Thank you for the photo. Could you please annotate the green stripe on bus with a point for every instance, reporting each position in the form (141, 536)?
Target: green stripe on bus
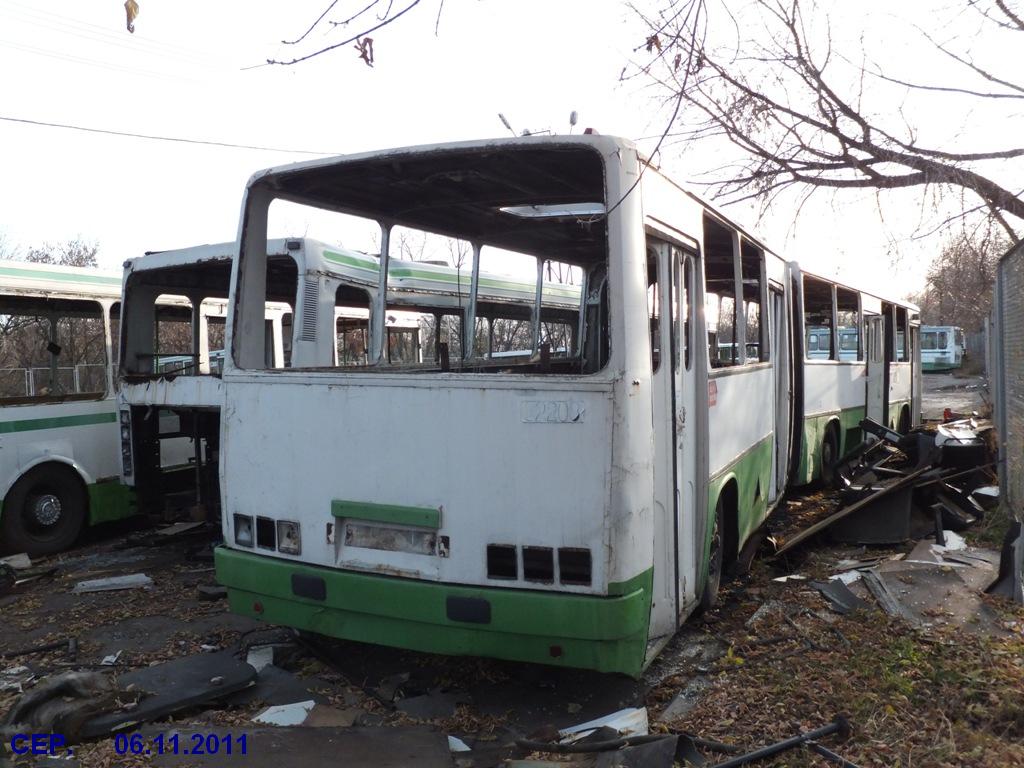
(604, 633)
(441, 277)
(368, 265)
(424, 517)
(56, 422)
(42, 274)
(485, 282)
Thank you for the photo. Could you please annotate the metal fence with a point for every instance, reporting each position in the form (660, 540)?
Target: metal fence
(41, 381)
(1007, 376)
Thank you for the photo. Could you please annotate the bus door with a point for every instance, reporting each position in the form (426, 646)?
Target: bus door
(779, 340)
(690, 420)
(671, 274)
(875, 386)
(661, 310)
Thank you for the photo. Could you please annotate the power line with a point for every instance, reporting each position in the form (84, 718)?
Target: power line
(95, 62)
(137, 41)
(175, 139)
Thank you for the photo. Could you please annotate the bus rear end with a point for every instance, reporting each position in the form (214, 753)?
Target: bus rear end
(489, 494)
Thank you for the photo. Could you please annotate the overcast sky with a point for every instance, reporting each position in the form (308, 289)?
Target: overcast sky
(182, 74)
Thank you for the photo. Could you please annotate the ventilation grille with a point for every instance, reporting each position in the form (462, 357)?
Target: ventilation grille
(538, 564)
(310, 303)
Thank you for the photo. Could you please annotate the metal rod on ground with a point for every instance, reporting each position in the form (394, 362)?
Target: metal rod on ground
(71, 645)
(839, 725)
(828, 754)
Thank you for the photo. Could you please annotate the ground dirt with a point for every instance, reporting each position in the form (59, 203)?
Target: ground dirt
(933, 697)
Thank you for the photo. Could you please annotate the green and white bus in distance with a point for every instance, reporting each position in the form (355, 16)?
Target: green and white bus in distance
(571, 503)
(861, 358)
(942, 347)
(59, 454)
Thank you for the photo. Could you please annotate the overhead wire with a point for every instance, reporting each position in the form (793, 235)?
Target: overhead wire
(83, 28)
(60, 56)
(175, 139)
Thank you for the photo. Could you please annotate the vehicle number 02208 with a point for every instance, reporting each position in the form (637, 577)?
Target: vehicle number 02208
(550, 411)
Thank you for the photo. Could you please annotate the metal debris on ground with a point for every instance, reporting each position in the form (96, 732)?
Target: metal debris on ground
(19, 562)
(15, 678)
(172, 687)
(432, 705)
(286, 714)
(112, 583)
(839, 726)
(309, 714)
(900, 486)
(627, 722)
(839, 596)
(70, 644)
(455, 744)
(211, 592)
(260, 656)
(178, 528)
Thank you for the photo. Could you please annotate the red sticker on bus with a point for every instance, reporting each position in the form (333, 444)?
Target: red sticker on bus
(712, 393)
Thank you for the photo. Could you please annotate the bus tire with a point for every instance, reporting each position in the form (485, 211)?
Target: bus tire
(904, 426)
(716, 560)
(829, 454)
(44, 511)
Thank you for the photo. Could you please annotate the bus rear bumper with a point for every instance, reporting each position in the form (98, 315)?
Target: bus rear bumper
(607, 634)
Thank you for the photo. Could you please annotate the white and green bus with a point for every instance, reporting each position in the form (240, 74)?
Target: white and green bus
(571, 463)
(942, 347)
(59, 439)
(171, 392)
(861, 358)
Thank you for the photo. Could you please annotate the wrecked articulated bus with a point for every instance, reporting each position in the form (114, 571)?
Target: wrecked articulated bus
(557, 469)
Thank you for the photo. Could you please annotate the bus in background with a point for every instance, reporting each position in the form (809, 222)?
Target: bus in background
(170, 392)
(942, 347)
(818, 343)
(59, 437)
(170, 388)
(869, 366)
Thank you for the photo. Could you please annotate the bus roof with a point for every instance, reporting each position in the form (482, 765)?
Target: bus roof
(37, 278)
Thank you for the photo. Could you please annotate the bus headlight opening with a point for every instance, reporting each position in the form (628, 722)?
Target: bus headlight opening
(243, 530)
(289, 540)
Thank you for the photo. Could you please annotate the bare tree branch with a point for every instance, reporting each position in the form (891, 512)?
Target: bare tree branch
(353, 39)
(778, 100)
(311, 26)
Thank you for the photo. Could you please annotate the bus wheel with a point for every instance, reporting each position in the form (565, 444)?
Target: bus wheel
(829, 455)
(43, 512)
(716, 555)
(904, 425)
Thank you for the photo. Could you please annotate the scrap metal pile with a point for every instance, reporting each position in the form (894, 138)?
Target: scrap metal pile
(926, 486)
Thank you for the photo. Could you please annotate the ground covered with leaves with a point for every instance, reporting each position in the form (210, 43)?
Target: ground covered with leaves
(933, 697)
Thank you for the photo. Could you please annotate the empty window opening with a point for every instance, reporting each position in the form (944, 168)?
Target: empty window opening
(848, 324)
(494, 273)
(902, 336)
(720, 294)
(752, 275)
(501, 562)
(654, 309)
(539, 564)
(687, 309)
(818, 318)
(51, 349)
(574, 566)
